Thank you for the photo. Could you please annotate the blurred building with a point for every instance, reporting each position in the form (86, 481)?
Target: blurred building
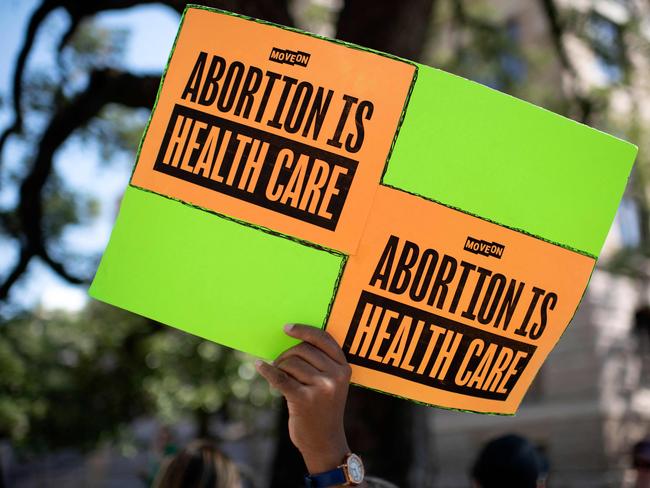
(591, 400)
(587, 407)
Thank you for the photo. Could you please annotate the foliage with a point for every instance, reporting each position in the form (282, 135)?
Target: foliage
(77, 379)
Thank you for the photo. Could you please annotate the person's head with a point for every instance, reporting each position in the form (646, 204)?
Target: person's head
(508, 462)
(200, 465)
(641, 462)
(641, 454)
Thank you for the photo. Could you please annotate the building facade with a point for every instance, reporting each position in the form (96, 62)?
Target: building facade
(591, 400)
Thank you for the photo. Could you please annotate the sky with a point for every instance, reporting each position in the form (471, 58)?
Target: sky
(152, 30)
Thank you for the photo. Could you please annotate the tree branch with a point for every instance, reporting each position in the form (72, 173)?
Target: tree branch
(465, 19)
(557, 33)
(105, 86)
(272, 10)
(20, 267)
(60, 269)
(77, 11)
(34, 23)
(556, 28)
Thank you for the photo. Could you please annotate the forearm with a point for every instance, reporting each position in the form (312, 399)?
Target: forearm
(314, 377)
(326, 459)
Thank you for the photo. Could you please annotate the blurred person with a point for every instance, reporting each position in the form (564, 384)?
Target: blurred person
(510, 461)
(641, 463)
(163, 447)
(200, 465)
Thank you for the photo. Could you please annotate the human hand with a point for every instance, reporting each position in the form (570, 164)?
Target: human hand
(314, 377)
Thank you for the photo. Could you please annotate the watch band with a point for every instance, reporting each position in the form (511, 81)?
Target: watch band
(335, 477)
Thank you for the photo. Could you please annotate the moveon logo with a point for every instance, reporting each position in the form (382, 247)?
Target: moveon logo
(285, 56)
(485, 248)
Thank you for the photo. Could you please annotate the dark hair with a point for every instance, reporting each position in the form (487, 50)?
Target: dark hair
(641, 454)
(508, 462)
(200, 465)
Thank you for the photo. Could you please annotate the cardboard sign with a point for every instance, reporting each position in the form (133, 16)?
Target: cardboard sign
(406, 299)
(442, 232)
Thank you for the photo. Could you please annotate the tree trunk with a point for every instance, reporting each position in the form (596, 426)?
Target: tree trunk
(398, 28)
(386, 431)
(383, 429)
(288, 469)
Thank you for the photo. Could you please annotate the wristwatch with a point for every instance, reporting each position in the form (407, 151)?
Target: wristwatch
(350, 473)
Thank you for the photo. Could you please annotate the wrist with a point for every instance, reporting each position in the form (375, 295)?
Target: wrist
(350, 472)
(321, 460)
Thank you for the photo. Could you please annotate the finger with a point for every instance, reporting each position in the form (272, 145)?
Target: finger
(278, 379)
(314, 356)
(318, 338)
(300, 369)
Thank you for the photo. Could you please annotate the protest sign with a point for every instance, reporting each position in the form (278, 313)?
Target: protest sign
(442, 232)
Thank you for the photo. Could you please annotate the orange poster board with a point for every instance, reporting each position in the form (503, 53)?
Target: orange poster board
(448, 309)
(284, 132)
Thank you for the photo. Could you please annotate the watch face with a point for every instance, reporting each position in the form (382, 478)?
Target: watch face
(355, 468)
